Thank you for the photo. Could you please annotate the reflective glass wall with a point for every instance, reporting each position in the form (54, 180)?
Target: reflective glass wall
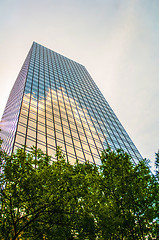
(62, 106)
(9, 121)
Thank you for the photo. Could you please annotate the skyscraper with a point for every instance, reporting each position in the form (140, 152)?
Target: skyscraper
(55, 102)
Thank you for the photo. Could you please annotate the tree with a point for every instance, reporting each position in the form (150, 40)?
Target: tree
(41, 199)
(130, 192)
(157, 165)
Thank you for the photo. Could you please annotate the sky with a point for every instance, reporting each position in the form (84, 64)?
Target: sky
(116, 40)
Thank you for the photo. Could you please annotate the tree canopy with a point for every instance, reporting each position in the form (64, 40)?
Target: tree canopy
(40, 199)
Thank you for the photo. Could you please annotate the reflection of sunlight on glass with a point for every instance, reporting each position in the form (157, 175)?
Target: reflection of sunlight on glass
(76, 137)
(76, 114)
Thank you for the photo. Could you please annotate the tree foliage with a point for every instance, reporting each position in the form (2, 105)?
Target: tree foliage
(41, 199)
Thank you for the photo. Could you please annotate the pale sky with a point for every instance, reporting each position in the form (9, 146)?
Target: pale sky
(116, 40)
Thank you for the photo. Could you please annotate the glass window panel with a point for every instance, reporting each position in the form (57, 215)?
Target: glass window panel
(32, 123)
(50, 125)
(49, 121)
(51, 152)
(23, 120)
(85, 146)
(71, 159)
(32, 114)
(68, 139)
(70, 149)
(41, 146)
(20, 139)
(66, 130)
(24, 111)
(41, 118)
(72, 126)
(65, 123)
(59, 135)
(61, 144)
(41, 107)
(58, 127)
(33, 102)
(94, 150)
(82, 137)
(56, 111)
(41, 137)
(75, 134)
(90, 140)
(63, 114)
(98, 144)
(77, 143)
(41, 127)
(51, 141)
(79, 153)
(30, 142)
(31, 132)
(88, 156)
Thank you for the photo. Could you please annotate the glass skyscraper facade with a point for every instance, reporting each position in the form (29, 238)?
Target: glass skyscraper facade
(55, 102)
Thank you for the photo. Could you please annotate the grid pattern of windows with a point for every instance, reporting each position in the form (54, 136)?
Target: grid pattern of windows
(62, 106)
(8, 124)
